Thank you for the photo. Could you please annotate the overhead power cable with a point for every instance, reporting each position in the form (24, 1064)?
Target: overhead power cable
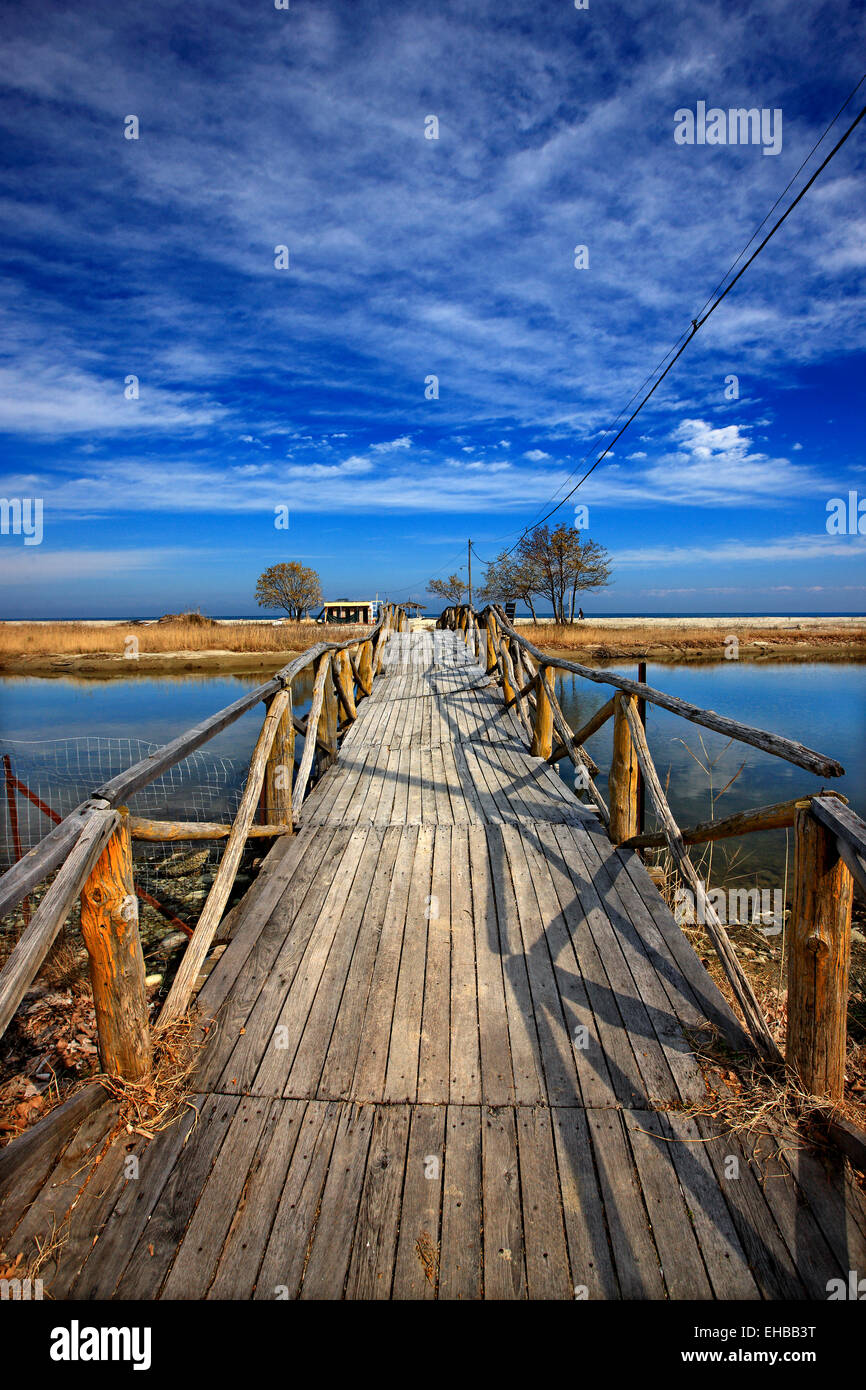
(714, 300)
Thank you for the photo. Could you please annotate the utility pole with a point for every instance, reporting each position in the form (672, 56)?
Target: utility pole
(469, 549)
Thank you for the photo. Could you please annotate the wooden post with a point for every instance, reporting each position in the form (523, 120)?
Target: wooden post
(491, 644)
(280, 769)
(641, 790)
(542, 733)
(622, 782)
(365, 667)
(819, 953)
(109, 925)
(381, 639)
(345, 682)
(508, 689)
(327, 726)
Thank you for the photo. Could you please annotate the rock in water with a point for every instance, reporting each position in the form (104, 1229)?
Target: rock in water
(181, 865)
(172, 942)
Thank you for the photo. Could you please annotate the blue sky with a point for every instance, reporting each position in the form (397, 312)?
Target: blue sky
(411, 257)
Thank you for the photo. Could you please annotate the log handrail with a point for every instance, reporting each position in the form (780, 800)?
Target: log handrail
(743, 991)
(845, 823)
(53, 848)
(779, 816)
(775, 744)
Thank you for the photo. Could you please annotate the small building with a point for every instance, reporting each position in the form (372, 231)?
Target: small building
(347, 610)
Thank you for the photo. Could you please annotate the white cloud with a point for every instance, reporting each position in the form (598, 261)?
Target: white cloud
(765, 551)
(404, 442)
(42, 565)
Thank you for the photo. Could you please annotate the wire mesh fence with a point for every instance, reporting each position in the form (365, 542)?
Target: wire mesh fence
(45, 779)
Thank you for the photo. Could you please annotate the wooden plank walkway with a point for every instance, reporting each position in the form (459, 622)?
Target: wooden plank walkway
(450, 1060)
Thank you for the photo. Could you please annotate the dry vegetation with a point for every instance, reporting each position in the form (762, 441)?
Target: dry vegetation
(684, 640)
(743, 1092)
(188, 632)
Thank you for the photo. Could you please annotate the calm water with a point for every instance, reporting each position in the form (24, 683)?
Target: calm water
(823, 706)
(820, 705)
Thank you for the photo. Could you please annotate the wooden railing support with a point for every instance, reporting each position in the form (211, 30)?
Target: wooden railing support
(209, 919)
(622, 780)
(819, 953)
(491, 644)
(780, 814)
(327, 728)
(542, 733)
(280, 770)
(109, 925)
(365, 667)
(737, 978)
(94, 831)
(345, 682)
(509, 681)
(591, 727)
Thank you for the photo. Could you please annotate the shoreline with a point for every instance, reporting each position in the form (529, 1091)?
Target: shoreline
(666, 648)
(115, 666)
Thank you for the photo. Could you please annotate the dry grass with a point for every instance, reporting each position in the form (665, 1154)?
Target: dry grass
(44, 1247)
(187, 634)
(152, 1104)
(749, 1096)
(683, 637)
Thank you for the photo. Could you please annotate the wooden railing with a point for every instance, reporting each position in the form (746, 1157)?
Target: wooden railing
(830, 840)
(92, 848)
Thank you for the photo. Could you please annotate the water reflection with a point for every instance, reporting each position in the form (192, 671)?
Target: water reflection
(823, 706)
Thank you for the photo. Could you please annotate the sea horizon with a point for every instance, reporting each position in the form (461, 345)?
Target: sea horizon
(433, 612)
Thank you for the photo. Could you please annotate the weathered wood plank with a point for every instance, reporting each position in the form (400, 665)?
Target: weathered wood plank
(374, 1032)
(547, 1271)
(155, 1249)
(635, 1256)
(251, 1222)
(194, 1264)
(417, 1260)
(434, 1050)
(371, 1269)
(288, 1245)
(504, 1259)
(684, 1272)
(331, 1250)
(401, 1078)
(136, 1200)
(592, 1268)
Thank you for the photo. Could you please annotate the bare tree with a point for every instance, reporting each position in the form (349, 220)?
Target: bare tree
(451, 589)
(508, 578)
(565, 565)
(291, 586)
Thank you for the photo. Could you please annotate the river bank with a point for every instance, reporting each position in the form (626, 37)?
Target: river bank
(218, 661)
(108, 650)
(678, 640)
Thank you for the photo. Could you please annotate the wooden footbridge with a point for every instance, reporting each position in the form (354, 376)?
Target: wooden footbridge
(448, 1043)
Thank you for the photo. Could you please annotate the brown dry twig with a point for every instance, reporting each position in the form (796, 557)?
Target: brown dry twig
(428, 1254)
(152, 1104)
(750, 1096)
